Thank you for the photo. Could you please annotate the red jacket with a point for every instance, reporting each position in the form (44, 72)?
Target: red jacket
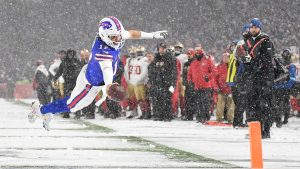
(201, 73)
(221, 75)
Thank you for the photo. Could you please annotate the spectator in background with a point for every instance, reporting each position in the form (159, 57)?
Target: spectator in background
(137, 78)
(295, 92)
(182, 58)
(260, 97)
(84, 56)
(239, 76)
(282, 88)
(69, 69)
(57, 89)
(162, 78)
(200, 77)
(3, 84)
(189, 89)
(224, 92)
(2, 77)
(150, 59)
(41, 83)
(128, 70)
(11, 83)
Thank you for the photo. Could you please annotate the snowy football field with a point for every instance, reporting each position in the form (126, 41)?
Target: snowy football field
(120, 143)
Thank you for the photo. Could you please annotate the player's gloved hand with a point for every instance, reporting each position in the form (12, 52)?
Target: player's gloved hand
(159, 34)
(171, 89)
(246, 59)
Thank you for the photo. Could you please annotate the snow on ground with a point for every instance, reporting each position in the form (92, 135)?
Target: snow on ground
(221, 143)
(78, 144)
(70, 144)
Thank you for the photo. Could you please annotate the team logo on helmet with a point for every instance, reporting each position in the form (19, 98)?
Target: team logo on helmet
(105, 25)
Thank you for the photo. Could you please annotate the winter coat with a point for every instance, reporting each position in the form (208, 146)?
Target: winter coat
(162, 71)
(69, 68)
(41, 79)
(262, 53)
(201, 73)
(232, 70)
(221, 74)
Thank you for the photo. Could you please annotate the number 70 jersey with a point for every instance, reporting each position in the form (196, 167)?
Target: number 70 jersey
(136, 70)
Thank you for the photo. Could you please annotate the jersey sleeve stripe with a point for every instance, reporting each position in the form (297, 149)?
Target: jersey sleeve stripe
(103, 55)
(103, 58)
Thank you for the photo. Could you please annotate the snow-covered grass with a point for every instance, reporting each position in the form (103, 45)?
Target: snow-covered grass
(182, 143)
(83, 144)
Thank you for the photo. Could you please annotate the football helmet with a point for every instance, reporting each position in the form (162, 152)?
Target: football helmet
(132, 50)
(140, 50)
(178, 47)
(111, 31)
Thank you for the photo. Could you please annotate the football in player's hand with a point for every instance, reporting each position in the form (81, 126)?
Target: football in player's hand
(116, 92)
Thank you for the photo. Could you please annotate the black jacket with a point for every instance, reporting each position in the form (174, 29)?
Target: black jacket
(162, 71)
(262, 58)
(69, 68)
(43, 81)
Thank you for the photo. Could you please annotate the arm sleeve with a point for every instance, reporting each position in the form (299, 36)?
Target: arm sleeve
(51, 69)
(108, 74)
(126, 35)
(268, 52)
(290, 83)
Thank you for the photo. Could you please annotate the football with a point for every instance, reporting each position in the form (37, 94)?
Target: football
(116, 92)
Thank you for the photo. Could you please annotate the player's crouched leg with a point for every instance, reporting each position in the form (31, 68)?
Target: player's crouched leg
(83, 94)
(82, 97)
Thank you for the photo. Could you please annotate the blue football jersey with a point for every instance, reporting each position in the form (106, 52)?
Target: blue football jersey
(100, 52)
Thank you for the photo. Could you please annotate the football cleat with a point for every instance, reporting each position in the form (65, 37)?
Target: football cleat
(35, 112)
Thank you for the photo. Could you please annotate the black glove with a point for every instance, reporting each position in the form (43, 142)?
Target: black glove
(206, 78)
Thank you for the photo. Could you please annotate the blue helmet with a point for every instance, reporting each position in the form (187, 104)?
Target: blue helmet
(256, 22)
(246, 28)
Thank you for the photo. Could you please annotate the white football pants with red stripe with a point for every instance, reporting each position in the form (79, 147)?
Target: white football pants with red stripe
(83, 94)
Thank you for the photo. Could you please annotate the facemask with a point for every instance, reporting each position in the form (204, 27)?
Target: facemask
(198, 56)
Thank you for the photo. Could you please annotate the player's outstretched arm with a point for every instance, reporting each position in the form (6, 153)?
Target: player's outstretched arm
(107, 70)
(135, 34)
